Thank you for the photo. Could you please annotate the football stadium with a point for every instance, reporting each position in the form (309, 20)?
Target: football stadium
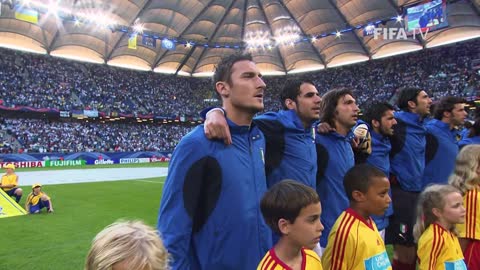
(242, 134)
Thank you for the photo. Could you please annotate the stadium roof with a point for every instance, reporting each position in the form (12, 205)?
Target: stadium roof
(204, 30)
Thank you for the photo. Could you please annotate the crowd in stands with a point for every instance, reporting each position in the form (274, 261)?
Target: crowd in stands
(47, 82)
(41, 81)
(5, 144)
(40, 135)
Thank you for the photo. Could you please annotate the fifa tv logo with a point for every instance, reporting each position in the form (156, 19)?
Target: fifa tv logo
(387, 33)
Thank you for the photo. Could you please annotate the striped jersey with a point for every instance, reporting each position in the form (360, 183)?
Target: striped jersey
(439, 249)
(310, 261)
(355, 244)
(471, 228)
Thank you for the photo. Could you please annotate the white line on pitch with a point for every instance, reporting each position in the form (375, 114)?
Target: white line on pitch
(156, 182)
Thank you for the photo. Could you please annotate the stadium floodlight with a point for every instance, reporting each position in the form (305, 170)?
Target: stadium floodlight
(313, 39)
(138, 27)
(188, 45)
(399, 18)
(338, 34)
(287, 35)
(257, 39)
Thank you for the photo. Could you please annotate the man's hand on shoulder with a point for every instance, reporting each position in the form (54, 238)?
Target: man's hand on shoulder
(216, 127)
(324, 128)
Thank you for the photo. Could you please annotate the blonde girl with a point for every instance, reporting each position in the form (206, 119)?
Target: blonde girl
(466, 178)
(440, 208)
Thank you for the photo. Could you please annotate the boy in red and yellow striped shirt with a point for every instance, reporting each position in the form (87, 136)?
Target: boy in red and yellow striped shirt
(354, 241)
(292, 210)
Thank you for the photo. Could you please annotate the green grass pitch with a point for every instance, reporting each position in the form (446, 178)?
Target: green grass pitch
(60, 241)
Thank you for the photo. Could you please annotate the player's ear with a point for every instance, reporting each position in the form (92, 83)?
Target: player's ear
(284, 226)
(222, 88)
(412, 104)
(447, 114)
(375, 123)
(290, 104)
(437, 212)
(358, 196)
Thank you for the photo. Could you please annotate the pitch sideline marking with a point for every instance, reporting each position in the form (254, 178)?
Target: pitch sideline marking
(155, 182)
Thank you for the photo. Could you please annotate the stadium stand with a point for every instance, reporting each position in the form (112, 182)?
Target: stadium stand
(42, 82)
(45, 82)
(41, 135)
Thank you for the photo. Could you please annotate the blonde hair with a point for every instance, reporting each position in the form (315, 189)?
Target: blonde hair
(432, 197)
(132, 242)
(465, 176)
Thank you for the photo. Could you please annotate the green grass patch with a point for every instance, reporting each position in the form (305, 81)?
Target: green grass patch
(61, 240)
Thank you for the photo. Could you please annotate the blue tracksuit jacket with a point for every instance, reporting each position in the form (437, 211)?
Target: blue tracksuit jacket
(210, 214)
(407, 158)
(290, 148)
(441, 152)
(467, 141)
(334, 158)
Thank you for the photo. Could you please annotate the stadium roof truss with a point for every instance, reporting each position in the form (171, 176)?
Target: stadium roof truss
(296, 34)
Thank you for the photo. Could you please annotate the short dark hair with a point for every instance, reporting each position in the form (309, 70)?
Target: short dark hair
(223, 70)
(285, 200)
(359, 178)
(291, 90)
(405, 95)
(376, 110)
(446, 104)
(328, 106)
